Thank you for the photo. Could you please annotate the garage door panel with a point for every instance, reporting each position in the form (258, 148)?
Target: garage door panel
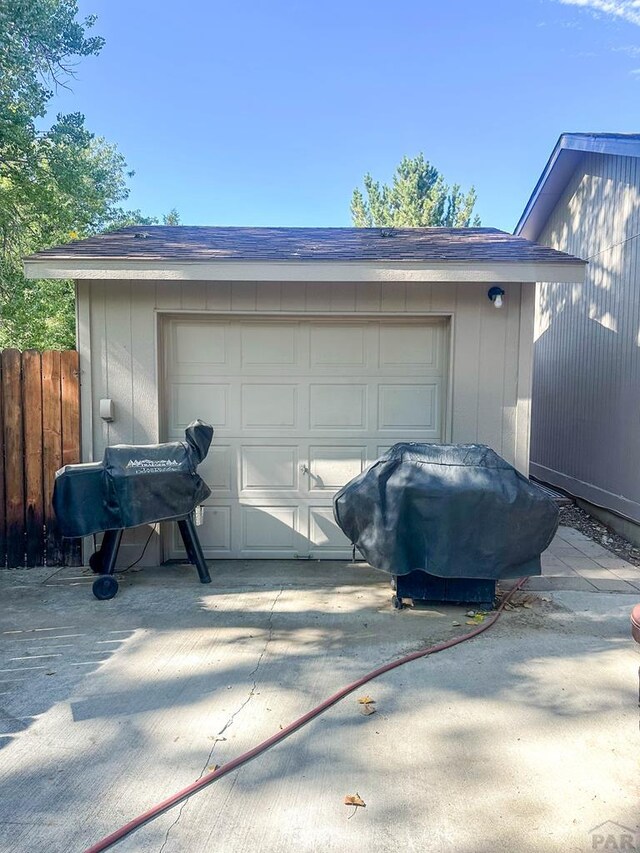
(269, 405)
(269, 345)
(269, 468)
(330, 467)
(333, 345)
(333, 406)
(324, 533)
(214, 532)
(207, 401)
(409, 346)
(216, 470)
(199, 347)
(408, 407)
(270, 528)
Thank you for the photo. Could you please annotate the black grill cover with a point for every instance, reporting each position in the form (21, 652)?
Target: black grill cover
(455, 511)
(134, 484)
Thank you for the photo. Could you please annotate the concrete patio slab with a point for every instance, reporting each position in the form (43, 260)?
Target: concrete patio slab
(521, 739)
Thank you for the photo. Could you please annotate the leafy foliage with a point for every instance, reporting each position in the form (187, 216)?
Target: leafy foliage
(55, 185)
(417, 196)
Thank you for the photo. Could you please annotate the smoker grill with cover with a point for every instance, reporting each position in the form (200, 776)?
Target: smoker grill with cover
(133, 485)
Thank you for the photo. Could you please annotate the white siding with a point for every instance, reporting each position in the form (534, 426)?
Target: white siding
(489, 382)
(586, 401)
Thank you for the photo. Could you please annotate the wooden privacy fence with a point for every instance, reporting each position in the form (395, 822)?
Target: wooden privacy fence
(39, 432)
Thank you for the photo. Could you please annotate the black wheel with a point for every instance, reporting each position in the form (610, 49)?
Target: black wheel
(104, 587)
(95, 562)
(397, 602)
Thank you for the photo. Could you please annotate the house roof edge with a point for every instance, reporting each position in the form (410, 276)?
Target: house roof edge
(567, 153)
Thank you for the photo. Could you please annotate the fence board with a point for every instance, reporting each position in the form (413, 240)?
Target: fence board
(51, 448)
(70, 393)
(14, 456)
(3, 529)
(33, 471)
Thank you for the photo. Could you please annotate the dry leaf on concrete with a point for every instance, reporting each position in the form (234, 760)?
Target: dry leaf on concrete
(367, 710)
(354, 800)
(365, 700)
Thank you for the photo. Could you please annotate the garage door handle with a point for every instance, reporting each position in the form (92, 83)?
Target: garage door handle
(304, 469)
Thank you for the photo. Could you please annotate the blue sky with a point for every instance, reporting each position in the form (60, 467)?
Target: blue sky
(269, 113)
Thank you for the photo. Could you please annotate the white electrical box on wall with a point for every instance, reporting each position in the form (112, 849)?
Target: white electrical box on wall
(106, 409)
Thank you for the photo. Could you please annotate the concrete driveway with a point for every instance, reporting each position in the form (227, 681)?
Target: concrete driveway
(524, 739)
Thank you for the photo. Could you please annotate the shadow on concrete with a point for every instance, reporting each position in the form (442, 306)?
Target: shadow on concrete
(143, 685)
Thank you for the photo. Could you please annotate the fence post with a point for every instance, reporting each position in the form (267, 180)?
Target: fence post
(70, 392)
(14, 456)
(33, 471)
(51, 448)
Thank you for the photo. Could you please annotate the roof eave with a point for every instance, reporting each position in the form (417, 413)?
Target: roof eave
(165, 270)
(565, 157)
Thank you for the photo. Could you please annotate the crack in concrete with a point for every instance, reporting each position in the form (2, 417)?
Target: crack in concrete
(218, 738)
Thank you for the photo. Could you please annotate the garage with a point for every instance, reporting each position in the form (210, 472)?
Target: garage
(310, 350)
(300, 406)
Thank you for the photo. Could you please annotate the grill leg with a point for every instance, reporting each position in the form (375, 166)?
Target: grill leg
(194, 550)
(109, 551)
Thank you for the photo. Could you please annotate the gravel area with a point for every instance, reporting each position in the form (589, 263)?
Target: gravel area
(573, 516)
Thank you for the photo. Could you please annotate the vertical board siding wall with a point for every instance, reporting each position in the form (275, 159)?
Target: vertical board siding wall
(119, 342)
(586, 403)
(39, 432)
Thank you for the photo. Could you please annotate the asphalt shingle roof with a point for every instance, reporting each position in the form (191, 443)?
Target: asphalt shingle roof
(206, 244)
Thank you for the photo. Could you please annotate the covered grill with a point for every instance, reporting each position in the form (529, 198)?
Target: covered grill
(133, 485)
(447, 521)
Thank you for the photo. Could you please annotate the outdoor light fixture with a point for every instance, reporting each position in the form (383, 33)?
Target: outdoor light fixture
(495, 294)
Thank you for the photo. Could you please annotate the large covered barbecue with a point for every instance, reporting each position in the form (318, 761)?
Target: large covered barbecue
(133, 485)
(447, 521)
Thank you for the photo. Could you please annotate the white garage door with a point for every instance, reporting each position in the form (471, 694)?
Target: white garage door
(299, 408)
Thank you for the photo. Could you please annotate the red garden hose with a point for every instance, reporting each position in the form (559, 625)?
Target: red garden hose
(161, 807)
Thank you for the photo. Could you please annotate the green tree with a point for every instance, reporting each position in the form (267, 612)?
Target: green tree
(417, 196)
(171, 218)
(57, 184)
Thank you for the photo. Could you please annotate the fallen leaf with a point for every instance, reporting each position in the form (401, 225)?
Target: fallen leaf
(354, 800)
(456, 624)
(367, 710)
(366, 700)
(212, 768)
